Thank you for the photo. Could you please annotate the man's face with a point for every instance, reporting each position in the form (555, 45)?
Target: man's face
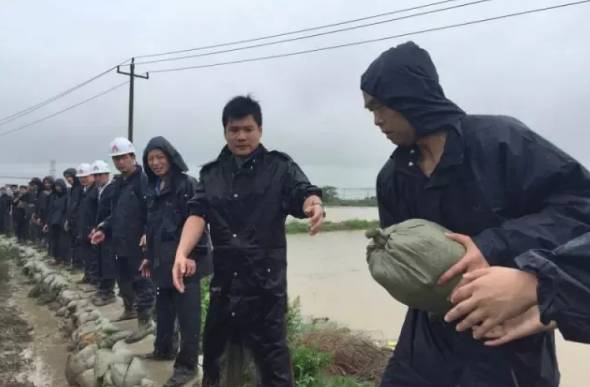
(47, 185)
(243, 135)
(101, 178)
(23, 190)
(87, 181)
(70, 180)
(124, 163)
(392, 123)
(158, 162)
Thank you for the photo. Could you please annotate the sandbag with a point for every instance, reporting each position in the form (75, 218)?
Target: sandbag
(408, 258)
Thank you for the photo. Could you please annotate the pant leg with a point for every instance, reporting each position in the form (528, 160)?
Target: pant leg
(188, 310)
(106, 287)
(266, 339)
(124, 280)
(165, 322)
(216, 339)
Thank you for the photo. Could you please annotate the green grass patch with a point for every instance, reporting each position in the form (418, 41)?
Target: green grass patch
(300, 227)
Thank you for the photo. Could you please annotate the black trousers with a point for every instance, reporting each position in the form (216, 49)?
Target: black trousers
(259, 326)
(58, 243)
(172, 306)
(134, 289)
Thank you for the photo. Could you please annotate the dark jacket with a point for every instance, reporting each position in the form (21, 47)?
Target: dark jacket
(497, 181)
(167, 212)
(246, 208)
(564, 286)
(44, 200)
(108, 264)
(20, 204)
(126, 223)
(87, 212)
(4, 204)
(74, 194)
(58, 205)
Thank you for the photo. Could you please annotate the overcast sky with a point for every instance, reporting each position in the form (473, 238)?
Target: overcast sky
(532, 67)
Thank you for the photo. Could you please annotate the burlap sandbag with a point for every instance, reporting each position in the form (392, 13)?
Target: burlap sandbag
(408, 258)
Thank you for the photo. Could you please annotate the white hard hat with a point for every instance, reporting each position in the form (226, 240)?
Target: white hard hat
(84, 170)
(121, 146)
(99, 167)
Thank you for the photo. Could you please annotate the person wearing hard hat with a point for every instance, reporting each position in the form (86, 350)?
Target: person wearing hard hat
(107, 266)
(86, 223)
(71, 224)
(127, 226)
(169, 190)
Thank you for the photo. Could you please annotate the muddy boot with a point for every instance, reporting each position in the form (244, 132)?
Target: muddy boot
(128, 314)
(180, 377)
(145, 326)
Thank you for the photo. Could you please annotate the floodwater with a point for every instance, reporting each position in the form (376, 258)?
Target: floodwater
(329, 273)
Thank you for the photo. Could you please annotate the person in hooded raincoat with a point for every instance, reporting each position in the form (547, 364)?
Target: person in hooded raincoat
(169, 190)
(33, 210)
(71, 225)
(553, 284)
(45, 197)
(4, 210)
(245, 196)
(20, 204)
(501, 186)
(55, 220)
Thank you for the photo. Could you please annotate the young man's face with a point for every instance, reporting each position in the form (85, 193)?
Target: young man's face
(47, 185)
(393, 124)
(70, 180)
(243, 135)
(124, 163)
(158, 162)
(101, 178)
(87, 181)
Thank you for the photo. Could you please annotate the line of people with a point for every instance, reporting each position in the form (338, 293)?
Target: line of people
(511, 197)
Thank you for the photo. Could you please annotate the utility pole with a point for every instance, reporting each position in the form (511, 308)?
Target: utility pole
(132, 77)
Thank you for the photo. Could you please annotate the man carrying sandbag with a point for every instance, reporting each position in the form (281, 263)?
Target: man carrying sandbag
(503, 187)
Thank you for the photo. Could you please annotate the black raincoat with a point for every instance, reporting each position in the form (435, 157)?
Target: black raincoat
(4, 210)
(58, 205)
(564, 286)
(44, 200)
(107, 263)
(127, 220)
(74, 195)
(498, 182)
(246, 207)
(86, 223)
(167, 212)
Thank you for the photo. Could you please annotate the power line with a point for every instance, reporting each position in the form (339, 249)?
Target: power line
(309, 29)
(33, 108)
(258, 45)
(65, 110)
(358, 43)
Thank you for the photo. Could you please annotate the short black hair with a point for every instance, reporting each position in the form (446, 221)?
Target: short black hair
(240, 107)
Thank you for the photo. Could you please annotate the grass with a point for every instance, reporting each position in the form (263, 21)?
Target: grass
(299, 227)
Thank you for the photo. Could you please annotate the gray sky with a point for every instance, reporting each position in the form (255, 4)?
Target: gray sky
(532, 67)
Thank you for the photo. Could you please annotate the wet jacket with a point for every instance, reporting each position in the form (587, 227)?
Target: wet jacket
(20, 204)
(106, 194)
(87, 212)
(74, 194)
(498, 182)
(4, 204)
(564, 286)
(126, 223)
(44, 200)
(58, 205)
(167, 212)
(246, 208)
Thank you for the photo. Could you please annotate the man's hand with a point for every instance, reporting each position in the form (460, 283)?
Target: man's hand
(492, 296)
(143, 241)
(528, 323)
(45, 229)
(97, 238)
(472, 260)
(145, 269)
(66, 226)
(183, 267)
(312, 207)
